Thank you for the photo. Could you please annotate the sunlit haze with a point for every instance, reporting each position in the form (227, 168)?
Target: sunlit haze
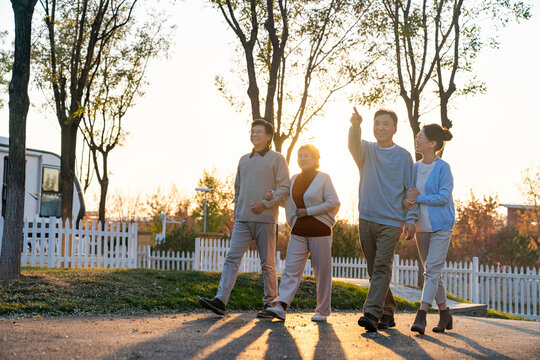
(183, 125)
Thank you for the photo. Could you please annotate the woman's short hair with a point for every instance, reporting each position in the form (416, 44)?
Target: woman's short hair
(314, 152)
(435, 132)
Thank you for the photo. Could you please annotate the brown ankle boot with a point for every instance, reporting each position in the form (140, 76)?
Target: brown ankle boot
(419, 322)
(445, 321)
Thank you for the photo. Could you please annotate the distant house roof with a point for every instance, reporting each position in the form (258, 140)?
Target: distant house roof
(513, 206)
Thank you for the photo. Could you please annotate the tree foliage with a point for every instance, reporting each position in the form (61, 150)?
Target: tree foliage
(312, 56)
(67, 58)
(219, 203)
(346, 240)
(6, 62)
(477, 223)
(432, 47)
(118, 82)
(530, 221)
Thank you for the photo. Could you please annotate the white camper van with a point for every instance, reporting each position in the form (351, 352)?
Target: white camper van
(43, 197)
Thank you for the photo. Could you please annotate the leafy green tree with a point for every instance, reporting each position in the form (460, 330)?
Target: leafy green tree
(346, 240)
(67, 56)
(219, 203)
(513, 248)
(530, 222)
(476, 228)
(6, 62)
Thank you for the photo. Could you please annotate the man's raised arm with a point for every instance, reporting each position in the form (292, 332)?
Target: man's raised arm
(355, 139)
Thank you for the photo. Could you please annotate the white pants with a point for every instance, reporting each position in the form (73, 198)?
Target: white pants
(432, 248)
(243, 235)
(298, 251)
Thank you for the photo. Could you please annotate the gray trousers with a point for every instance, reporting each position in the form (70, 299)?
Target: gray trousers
(298, 251)
(432, 248)
(244, 233)
(378, 244)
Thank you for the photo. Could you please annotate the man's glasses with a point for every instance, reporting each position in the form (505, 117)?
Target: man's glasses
(257, 132)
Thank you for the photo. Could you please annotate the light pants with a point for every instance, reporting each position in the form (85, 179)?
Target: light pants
(244, 233)
(432, 248)
(378, 244)
(298, 251)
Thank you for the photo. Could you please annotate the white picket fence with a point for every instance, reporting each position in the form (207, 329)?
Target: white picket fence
(511, 290)
(49, 243)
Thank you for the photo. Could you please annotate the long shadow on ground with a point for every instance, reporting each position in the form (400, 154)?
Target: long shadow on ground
(217, 338)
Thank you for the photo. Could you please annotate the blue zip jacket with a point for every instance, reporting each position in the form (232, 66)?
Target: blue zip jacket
(438, 197)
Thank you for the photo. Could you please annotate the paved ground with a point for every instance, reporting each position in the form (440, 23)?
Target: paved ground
(405, 292)
(242, 336)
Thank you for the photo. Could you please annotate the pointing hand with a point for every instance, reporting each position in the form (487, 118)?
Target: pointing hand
(356, 118)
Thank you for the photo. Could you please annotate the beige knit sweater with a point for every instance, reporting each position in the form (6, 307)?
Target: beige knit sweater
(255, 176)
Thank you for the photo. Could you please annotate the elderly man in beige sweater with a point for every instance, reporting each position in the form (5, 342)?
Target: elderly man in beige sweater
(255, 219)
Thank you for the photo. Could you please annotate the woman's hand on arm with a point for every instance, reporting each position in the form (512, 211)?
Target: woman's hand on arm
(301, 212)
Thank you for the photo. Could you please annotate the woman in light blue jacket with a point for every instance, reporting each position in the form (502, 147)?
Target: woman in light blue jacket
(433, 194)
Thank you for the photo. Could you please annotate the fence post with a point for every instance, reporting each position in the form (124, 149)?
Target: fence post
(1, 232)
(197, 254)
(134, 244)
(395, 272)
(474, 281)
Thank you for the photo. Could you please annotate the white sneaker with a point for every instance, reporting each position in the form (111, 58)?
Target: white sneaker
(318, 317)
(277, 312)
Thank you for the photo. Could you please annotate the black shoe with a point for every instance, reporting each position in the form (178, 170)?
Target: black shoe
(215, 305)
(387, 321)
(369, 322)
(263, 313)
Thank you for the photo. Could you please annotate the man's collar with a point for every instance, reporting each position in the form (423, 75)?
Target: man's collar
(262, 152)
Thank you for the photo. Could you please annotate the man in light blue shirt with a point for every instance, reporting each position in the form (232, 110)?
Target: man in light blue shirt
(386, 173)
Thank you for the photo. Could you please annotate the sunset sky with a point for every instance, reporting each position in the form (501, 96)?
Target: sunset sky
(183, 125)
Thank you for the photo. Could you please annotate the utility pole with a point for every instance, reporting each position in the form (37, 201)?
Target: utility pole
(206, 191)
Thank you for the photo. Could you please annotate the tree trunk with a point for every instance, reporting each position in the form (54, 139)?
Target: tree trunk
(10, 255)
(103, 198)
(253, 89)
(67, 166)
(104, 184)
(413, 116)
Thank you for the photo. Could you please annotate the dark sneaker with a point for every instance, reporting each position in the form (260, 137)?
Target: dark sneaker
(369, 322)
(215, 305)
(263, 313)
(387, 321)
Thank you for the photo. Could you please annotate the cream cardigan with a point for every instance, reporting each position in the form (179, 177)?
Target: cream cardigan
(320, 198)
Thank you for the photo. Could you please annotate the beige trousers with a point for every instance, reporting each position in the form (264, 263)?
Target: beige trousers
(244, 233)
(298, 251)
(432, 248)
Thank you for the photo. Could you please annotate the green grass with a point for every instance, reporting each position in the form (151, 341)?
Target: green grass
(60, 292)
(501, 315)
